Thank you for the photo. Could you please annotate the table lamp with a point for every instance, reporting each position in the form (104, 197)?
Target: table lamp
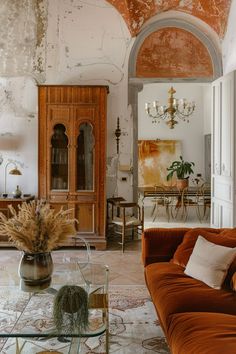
(15, 172)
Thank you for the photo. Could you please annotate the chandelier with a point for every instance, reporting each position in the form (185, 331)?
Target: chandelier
(177, 108)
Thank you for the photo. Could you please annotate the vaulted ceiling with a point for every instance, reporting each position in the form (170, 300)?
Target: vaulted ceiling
(137, 12)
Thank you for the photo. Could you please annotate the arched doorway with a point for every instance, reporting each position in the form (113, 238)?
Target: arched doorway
(140, 72)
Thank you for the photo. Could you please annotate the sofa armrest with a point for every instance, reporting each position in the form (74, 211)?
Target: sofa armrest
(159, 244)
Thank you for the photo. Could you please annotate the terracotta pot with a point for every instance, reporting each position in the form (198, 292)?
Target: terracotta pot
(36, 268)
(182, 183)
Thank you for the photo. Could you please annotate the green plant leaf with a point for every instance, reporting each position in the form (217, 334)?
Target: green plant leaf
(182, 169)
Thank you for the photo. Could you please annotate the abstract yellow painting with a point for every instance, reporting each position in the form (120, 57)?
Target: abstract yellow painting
(154, 156)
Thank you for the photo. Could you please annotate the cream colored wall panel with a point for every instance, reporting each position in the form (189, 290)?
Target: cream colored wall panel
(223, 151)
(226, 131)
(223, 190)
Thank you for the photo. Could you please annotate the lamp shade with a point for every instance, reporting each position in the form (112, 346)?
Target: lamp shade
(15, 172)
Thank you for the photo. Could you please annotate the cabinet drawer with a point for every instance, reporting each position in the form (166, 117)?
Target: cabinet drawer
(58, 198)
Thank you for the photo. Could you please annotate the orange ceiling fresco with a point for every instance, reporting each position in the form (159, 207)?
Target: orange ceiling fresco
(137, 12)
(173, 52)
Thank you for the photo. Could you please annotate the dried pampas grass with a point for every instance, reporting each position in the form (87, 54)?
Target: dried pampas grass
(37, 228)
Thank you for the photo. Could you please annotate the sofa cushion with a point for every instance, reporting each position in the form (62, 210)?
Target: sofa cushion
(205, 333)
(172, 291)
(185, 249)
(210, 262)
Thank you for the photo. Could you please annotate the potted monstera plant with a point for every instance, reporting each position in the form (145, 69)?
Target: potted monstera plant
(182, 169)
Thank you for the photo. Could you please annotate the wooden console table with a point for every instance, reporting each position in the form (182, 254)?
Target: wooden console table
(4, 202)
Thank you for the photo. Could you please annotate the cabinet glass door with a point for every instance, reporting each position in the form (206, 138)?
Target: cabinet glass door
(85, 158)
(59, 158)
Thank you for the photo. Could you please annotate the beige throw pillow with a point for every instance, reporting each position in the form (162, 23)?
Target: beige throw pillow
(209, 262)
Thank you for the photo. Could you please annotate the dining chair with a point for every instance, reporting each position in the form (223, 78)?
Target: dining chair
(204, 200)
(131, 218)
(113, 210)
(189, 202)
(96, 279)
(160, 200)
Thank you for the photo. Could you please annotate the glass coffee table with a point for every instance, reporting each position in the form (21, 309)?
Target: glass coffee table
(26, 314)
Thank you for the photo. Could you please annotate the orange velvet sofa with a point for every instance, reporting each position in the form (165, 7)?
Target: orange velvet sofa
(195, 318)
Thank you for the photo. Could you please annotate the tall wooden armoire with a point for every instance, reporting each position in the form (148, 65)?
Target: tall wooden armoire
(72, 155)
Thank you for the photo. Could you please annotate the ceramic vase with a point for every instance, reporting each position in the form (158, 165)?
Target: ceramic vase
(35, 269)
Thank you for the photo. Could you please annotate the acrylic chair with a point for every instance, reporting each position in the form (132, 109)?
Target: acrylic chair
(93, 278)
(131, 219)
(83, 251)
(96, 278)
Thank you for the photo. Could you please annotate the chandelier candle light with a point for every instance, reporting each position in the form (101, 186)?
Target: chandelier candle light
(177, 108)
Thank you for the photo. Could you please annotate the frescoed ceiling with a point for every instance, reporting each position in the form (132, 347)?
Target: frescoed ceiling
(137, 12)
(173, 52)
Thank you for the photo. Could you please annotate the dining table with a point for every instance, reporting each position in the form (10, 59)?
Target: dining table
(175, 199)
(152, 192)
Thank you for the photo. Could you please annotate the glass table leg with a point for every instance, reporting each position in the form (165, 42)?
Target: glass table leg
(75, 346)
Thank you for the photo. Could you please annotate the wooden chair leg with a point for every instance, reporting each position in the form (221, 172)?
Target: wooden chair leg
(132, 234)
(153, 209)
(198, 211)
(123, 239)
(168, 212)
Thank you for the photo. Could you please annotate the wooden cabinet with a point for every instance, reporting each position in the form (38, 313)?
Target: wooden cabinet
(72, 154)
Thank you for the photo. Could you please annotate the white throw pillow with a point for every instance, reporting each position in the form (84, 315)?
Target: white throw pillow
(209, 262)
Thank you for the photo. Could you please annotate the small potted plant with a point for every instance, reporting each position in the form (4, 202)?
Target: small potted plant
(183, 170)
(70, 309)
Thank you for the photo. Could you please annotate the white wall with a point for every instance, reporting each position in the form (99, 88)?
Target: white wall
(190, 134)
(229, 42)
(207, 109)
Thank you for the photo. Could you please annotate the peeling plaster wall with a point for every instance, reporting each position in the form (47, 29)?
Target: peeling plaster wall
(22, 65)
(18, 133)
(229, 43)
(71, 42)
(23, 24)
